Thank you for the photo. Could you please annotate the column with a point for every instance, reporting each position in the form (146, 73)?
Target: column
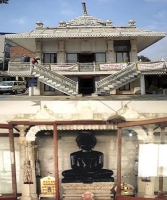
(28, 191)
(134, 50)
(36, 90)
(61, 52)
(142, 84)
(110, 54)
(149, 186)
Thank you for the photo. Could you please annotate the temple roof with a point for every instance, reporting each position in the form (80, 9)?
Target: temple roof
(86, 26)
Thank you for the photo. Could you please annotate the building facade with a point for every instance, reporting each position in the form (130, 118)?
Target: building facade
(88, 56)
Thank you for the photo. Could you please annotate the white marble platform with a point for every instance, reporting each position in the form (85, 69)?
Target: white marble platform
(100, 190)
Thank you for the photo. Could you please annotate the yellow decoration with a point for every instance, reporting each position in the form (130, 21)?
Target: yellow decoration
(47, 185)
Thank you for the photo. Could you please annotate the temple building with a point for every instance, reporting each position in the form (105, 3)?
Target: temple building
(37, 139)
(89, 56)
(95, 148)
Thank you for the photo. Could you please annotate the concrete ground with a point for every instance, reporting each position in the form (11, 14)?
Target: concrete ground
(26, 97)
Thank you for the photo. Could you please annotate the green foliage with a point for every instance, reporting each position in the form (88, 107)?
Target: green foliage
(143, 59)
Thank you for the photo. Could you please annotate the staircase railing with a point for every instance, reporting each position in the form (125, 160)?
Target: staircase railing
(114, 77)
(53, 75)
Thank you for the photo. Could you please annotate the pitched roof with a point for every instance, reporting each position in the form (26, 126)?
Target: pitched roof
(86, 26)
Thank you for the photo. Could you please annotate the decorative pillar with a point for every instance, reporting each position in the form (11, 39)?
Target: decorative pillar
(110, 54)
(61, 52)
(133, 50)
(28, 191)
(142, 84)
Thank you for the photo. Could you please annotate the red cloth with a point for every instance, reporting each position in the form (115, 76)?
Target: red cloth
(34, 61)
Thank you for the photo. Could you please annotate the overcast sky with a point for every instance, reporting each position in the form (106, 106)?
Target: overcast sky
(21, 15)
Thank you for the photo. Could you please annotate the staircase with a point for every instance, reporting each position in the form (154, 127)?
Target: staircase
(55, 80)
(117, 80)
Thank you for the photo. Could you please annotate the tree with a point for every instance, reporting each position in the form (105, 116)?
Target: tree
(143, 59)
(4, 1)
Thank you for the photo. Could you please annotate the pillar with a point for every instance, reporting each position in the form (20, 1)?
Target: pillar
(28, 191)
(133, 57)
(61, 52)
(38, 53)
(110, 54)
(142, 84)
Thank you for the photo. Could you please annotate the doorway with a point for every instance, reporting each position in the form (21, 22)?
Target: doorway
(86, 57)
(86, 86)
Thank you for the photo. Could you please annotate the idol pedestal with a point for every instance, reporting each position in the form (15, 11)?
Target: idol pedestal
(99, 190)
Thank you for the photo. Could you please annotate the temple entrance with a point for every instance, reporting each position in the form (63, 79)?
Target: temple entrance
(86, 86)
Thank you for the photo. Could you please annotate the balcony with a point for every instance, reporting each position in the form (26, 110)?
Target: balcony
(24, 68)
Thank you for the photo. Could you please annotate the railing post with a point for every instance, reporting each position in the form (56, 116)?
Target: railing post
(94, 65)
(79, 67)
(8, 66)
(77, 87)
(95, 86)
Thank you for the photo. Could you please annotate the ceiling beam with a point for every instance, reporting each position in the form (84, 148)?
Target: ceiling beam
(143, 122)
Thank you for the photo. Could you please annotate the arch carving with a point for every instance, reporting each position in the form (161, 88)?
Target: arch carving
(30, 136)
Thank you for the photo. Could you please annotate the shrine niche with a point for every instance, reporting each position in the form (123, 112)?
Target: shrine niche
(87, 164)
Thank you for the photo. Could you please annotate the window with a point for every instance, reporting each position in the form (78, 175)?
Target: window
(72, 58)
(50, 58)
(100, 57)
(122, 49)
(125, 87)
(48, 88)
(122, 57)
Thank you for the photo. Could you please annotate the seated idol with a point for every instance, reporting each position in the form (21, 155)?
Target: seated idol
(87, 164)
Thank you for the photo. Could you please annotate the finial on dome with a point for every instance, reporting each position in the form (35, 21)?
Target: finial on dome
(84, 8)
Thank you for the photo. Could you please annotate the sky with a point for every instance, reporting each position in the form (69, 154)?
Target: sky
(21, 16)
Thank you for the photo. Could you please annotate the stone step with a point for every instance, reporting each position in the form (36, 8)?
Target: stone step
(135, 74)
(106, 88)
(74, 93)
(110, 86)
(118, 82)
(62, 87)
(37, 75)
(49, 81)
(66, 89)
(53, 83)
(130, 76)
(122, 80)
(102, 90)
(33, 73)
(114, 84)
(41, 77)
(126, 78)
(57, 85)
(139, 72)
